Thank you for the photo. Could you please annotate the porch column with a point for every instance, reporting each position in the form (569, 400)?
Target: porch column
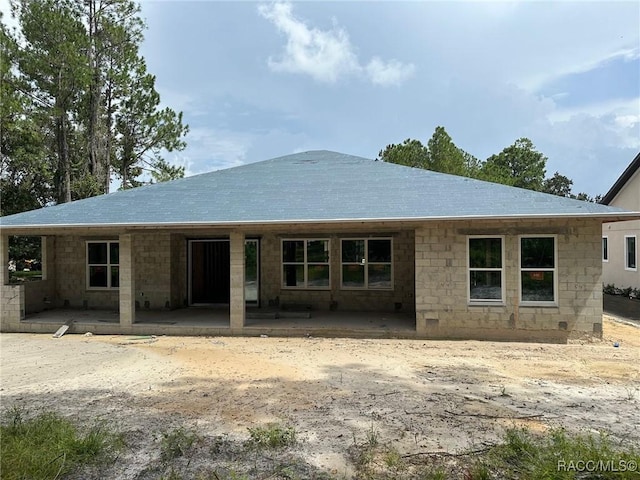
(48, 257)
(127, 282)
(236, 302)
(4, 259)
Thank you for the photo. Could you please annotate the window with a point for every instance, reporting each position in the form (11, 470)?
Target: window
(630, 253)
(605, 249)
(305, 263)
(538, 275)
(485, 269)
(103, 264)
(366, 263)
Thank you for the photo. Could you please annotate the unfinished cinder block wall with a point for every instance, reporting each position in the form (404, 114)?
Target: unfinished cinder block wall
(152, 266)
(401, 296)
(442, 308)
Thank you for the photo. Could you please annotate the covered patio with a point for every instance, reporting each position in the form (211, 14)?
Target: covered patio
(215, 321)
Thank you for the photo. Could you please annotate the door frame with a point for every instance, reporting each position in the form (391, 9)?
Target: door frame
(190, 268)
(190, 241)
(257, 242)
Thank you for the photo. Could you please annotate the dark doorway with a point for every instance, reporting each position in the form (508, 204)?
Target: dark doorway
(210, 271)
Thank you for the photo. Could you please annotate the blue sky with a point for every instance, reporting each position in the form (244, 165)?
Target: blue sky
(262, 79)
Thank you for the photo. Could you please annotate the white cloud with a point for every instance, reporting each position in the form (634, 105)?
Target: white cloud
(213, 149)
(389, 73)
(538, 80)
(627, 121)
(326, 55)
(623, 109)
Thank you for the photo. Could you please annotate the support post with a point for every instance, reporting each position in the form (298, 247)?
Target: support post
(236, 303)
(127, 282)
(4, 258)
(48, 244)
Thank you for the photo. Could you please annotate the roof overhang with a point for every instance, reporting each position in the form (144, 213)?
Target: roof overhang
(241, 225)
(633, 167)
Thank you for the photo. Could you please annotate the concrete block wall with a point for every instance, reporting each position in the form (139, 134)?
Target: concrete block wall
(71, 272)
(12, 307)
(152, 267)
(442, 309)
(402, 293)
(152, 261)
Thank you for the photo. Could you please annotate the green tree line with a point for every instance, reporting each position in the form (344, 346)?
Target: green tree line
(78, 107)
(518, 165)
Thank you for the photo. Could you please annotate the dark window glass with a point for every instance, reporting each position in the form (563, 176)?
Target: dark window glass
(380, 250)
(97, 253)
(293, 251)
(537, 252)
(318, 276)
(115, 277)
(537, 286)
(114, 253)
(631, 252)
(485, 252)
(605, 248)
(318, 251)
(353, 275)
(293, 275)
(98, 276)
(352, 251)
(379, 276)
(485, 285)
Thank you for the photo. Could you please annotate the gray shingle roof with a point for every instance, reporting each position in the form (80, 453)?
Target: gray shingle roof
(309, 186)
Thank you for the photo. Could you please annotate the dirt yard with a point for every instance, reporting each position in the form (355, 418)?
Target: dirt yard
(418, 395)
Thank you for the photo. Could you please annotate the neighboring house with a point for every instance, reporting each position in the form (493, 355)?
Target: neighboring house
(333, 233)
(620, 240)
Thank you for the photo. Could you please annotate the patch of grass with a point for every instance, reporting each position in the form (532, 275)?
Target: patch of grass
(438, 474)
(558, 455)
(373, 437)
(632, 392)
(176, 443)
(49, 446)
(272, 436)
(478, 471)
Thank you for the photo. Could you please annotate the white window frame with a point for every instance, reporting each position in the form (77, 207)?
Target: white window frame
(479, 301)
(605, 248)
(626, 253)
(532, 303)
(108, 264)
(366, 263)
(305, 263)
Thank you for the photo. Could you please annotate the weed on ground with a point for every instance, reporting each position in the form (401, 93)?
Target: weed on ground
(48, 446)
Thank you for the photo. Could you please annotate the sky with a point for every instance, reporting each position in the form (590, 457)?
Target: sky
(257, 80)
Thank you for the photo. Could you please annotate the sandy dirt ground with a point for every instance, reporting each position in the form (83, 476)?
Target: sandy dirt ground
(418, 395)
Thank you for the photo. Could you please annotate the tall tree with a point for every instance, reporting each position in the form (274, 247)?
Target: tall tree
(53, 62)
(114, 31)
(444, 156)
(98, 109)
(558, 185)
(520, 165)
(144, 131)
(410, 153)
(440, 155)
(25, 176)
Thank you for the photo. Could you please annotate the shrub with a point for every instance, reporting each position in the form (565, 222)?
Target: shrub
(49, 446)
(272, 436)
